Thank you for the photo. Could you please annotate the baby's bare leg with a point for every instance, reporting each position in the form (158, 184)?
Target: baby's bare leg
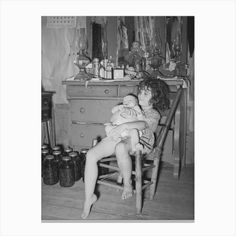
(103, 149)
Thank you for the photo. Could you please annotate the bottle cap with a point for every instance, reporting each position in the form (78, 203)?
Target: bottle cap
(56, 148)
(44, 146)
(66, 158)
(84, 150)
(56, 153)
(73, 154)
(49, 157)
(45, 151)
(68, 149)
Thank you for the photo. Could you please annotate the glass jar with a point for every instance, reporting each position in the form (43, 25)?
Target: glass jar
(50, 170)
(57, 155)
(45, 152)
(77, 165)
(66, 172)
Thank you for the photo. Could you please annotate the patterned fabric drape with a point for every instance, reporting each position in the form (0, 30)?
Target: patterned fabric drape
(122, 39)
(144, 31)
(122, 34)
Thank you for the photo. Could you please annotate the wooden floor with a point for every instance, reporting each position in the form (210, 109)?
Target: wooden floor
(174, 200)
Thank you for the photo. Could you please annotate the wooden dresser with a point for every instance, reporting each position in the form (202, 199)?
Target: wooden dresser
(91, 104)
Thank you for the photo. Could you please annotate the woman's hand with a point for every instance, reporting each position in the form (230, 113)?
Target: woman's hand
(140, 125)
(117, 130)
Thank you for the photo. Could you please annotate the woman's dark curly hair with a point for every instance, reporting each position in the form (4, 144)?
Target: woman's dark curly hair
(160, 93)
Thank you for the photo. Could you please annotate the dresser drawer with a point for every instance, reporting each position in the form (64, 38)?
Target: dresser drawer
(92, 110)
(125, 90)
(91, 91)
(82, 135)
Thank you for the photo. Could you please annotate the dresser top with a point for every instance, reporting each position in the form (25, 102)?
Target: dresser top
(169, 81)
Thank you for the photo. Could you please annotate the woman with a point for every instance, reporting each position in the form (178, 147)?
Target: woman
(153, 97)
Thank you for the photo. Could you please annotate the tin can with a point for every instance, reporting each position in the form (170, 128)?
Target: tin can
(77, 165)
(50, 170)
(66, 172)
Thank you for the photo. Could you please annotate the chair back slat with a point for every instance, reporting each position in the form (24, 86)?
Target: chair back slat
(165, 128)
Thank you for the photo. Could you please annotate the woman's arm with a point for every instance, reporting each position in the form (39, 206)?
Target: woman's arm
(140, 125)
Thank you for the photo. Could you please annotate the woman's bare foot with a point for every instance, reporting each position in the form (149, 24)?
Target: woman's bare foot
(87, 206)
(127, 192)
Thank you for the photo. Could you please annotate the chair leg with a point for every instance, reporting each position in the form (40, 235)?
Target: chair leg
(138, 182)
(176, 153)
(155, 170)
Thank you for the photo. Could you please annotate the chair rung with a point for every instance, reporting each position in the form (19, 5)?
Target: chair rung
(107, 175)
(107, 183)
(108, 159)
(147, 184)
(109, 166)
(114, 185)
(148, 167)
(117, 168)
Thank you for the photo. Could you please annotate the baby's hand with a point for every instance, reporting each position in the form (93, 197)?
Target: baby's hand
(108, 128)
(116, 108)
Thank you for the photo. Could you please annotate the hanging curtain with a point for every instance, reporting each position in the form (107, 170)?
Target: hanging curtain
(122, 39)
(144, 31)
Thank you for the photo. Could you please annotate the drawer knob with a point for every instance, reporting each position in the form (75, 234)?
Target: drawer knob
(82, 110)
(81, 135)
(106, 91)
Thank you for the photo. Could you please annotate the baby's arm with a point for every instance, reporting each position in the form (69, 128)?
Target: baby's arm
(116, 108)
(108, 128)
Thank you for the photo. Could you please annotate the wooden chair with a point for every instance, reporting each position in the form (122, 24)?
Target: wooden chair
(148, 162)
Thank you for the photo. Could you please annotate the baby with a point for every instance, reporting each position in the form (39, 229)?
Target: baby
(129, 111)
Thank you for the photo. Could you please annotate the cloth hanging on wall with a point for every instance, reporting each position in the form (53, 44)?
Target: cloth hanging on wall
(122, 40)
(58, 49)
(122, 34)
(144, 28)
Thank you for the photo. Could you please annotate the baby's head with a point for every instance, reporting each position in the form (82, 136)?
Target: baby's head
(130, 101)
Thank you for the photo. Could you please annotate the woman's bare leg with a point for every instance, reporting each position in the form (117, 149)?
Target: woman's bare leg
(124, 162)
(103, 149)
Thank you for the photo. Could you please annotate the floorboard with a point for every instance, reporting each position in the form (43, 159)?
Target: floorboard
(174, 200)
